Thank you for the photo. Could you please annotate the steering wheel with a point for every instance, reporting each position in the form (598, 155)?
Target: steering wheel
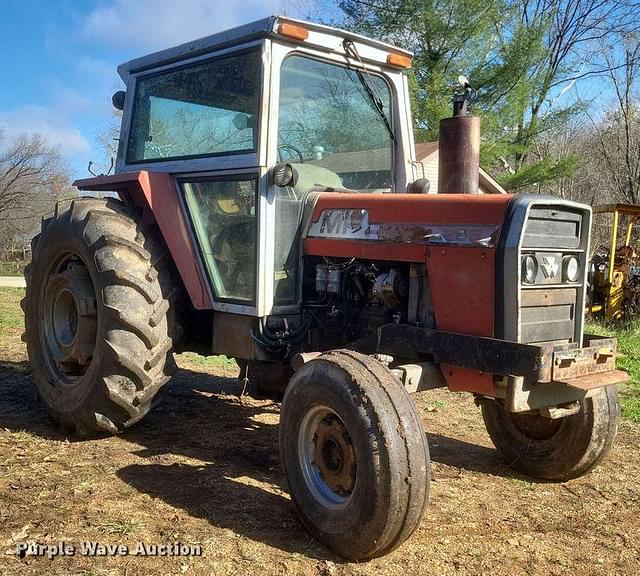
(293, 149)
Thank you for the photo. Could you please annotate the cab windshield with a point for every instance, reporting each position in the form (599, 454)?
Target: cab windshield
(330, 128)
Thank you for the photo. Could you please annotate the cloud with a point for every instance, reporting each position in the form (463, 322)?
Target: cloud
(48, 122)
(157, 24)
(98, 69)
(68, 101)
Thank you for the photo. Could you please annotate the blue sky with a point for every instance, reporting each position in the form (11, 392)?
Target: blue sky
(58, 59)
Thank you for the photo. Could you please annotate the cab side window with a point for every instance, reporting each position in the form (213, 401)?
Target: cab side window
(223, 213)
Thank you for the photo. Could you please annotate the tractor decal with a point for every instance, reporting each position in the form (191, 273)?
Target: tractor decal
(354, 224)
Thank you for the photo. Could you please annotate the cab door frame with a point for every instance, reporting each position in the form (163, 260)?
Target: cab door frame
(263, 247)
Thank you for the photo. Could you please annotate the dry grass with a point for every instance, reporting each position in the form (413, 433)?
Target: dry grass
(11, 317)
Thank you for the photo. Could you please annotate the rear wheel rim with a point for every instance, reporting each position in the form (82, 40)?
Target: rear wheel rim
(536, 427)
(327, 458)
(69, 319)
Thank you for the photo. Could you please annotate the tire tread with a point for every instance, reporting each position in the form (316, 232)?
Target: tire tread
(136, 286)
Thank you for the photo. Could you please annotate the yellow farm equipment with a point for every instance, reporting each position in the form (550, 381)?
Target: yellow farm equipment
(614, 274)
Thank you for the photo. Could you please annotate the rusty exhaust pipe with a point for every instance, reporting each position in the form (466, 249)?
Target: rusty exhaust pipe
(459, 148)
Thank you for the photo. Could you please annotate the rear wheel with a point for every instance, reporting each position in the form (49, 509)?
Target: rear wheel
(354, 454)
(555, 449)
(99, 316)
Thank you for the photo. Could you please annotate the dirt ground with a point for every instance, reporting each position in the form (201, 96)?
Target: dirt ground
(203, 469)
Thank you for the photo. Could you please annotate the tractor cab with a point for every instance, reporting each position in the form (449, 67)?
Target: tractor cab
(328, 107)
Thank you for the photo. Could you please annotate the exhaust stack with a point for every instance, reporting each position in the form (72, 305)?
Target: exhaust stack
(459, 147)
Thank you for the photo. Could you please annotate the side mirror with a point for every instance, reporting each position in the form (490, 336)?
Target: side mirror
(284, 174)
(118, 99)
(420, 186)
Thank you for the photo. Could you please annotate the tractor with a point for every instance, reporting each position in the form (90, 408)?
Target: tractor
(613, 290)
(270, 208)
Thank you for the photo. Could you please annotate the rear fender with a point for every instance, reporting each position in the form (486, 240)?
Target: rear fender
(156, 194)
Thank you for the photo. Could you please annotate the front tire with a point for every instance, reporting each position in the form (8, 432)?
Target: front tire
(354, 454)
(555, 449)
(99, 316)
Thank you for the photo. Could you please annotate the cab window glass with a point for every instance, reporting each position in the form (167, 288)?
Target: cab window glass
(329, 125)
(223, 213)
(198, 110)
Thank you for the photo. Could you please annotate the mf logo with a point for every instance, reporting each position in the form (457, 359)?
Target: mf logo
(550, 266)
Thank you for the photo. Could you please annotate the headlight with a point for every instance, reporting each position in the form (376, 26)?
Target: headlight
(571, 267)
(284, 174)
(529, 269)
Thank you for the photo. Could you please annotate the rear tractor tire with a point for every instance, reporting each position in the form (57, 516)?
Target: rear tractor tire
(559, 449)
(99, 316)
(354, 453)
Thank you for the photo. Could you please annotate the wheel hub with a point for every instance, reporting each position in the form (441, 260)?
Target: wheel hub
(334, 456)
(327, 457)
(70, 318)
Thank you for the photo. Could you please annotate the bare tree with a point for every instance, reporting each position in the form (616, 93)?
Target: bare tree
(107, 138)
(571, 33)
(32, 179)
(617, 135)
(313, 10)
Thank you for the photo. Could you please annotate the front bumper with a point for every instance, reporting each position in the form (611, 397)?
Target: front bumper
(527, 376)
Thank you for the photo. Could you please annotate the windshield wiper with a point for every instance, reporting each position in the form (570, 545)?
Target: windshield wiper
(376, 101)
(367, 84)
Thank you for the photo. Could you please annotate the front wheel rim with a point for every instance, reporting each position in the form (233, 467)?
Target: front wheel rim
(536, 427)
(327, 457)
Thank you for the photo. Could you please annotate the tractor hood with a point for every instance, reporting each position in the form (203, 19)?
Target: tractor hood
(394, 225)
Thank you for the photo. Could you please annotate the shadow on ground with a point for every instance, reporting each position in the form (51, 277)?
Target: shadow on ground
(237, 482)
(467, 456)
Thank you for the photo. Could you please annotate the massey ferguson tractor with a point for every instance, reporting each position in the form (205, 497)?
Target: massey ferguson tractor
(271, 209)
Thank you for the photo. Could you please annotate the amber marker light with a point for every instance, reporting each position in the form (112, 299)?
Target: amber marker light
(293, 31)
(399, 60)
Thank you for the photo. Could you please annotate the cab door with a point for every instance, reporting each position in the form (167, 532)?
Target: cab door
(224, 211)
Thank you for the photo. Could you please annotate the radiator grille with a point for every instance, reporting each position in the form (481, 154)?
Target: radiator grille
(549, 309)
(552, 228)
(548, 315)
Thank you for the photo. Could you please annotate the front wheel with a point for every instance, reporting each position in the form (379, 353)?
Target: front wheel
(555, 449)
(354, 454)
